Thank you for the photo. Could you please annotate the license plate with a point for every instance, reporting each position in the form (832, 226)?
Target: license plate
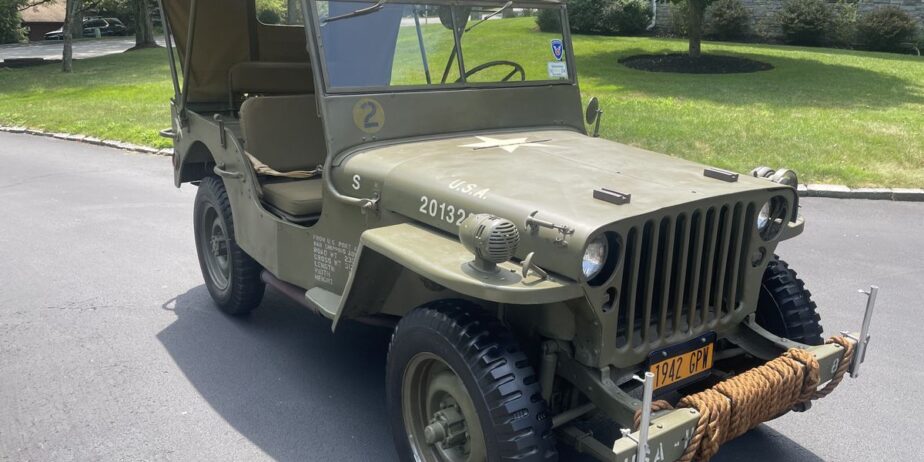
(682, 363)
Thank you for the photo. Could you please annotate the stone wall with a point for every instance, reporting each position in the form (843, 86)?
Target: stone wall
(763, 13)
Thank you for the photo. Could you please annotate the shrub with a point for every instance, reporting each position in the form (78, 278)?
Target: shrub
(728, 19)
(886, 29)
(842, 30)
(680, 14)
(549, 20)
(269, 16)
(10, 30)
(586, 16)
(626, 17)
(804, 22)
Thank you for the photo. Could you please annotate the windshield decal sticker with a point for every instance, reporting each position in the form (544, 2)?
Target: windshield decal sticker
(558, 70)
(368, 115)
(558, 49)
(510, 145)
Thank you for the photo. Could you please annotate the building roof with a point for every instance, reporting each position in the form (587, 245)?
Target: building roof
(46, 12)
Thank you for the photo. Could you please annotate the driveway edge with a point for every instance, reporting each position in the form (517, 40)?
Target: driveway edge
(834, 191)
(90, 140)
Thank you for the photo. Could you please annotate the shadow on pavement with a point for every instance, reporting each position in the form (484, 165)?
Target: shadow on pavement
(300, 392)
(283, 380)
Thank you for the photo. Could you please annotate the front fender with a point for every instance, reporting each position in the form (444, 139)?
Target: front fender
(440, 259)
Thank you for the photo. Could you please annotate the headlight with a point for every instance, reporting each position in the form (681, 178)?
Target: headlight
(594, 257)
(771, 218)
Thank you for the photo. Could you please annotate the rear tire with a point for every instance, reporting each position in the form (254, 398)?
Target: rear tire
(493, 409)
(785, 307)
(231, 276)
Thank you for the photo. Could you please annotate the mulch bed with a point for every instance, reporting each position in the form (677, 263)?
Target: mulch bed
(684, 64)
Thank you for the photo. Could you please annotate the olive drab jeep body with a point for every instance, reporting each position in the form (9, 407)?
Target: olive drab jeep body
(426, 167)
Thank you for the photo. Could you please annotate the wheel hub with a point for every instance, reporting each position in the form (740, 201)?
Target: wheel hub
(447, 428)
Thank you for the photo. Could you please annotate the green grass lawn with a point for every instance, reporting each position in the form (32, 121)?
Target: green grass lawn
(834, 116)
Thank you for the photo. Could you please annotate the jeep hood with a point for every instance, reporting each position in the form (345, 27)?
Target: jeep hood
(552, 173)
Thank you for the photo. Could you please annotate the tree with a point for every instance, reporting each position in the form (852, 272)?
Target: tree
(696, 12)
(11, 29)
(144, 25)
(71, 11)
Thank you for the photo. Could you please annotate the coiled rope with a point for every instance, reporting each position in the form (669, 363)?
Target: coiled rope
(744, 401)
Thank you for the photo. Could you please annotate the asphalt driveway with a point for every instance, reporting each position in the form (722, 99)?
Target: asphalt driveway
(110, 348)
(85, 48)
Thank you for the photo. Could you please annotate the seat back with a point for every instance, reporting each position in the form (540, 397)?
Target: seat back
(268, 78)
(284, 132)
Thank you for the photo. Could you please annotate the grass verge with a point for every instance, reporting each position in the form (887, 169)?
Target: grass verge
(834, 116)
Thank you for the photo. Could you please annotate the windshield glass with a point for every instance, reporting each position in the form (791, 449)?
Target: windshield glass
(398, 45)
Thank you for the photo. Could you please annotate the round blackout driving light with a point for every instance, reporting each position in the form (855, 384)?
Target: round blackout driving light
(594, 257)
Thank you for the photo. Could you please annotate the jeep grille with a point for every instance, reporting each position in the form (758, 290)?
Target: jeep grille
(680, 276)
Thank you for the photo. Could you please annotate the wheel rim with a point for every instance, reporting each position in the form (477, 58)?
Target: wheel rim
(215, 245)
(439, 414)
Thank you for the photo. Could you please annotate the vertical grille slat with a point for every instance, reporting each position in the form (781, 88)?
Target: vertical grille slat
(711, 240)
(651, 269)
(632, 289)
(695, 263)
(669, 230)
(681, 273)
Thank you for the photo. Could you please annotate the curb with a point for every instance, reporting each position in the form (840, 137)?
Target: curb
(832, 191)
(837, 191)
(90, 140)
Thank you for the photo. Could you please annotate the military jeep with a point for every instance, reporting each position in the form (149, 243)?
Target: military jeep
(428, 167)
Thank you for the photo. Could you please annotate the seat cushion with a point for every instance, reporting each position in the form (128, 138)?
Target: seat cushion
(295, 197)
(284, 132)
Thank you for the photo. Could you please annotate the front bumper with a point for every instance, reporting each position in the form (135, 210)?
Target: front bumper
(671, 431)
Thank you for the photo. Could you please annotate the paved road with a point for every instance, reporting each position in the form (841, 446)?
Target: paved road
(82, 48)
(111, 350)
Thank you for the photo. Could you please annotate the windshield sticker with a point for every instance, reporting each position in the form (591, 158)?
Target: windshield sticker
(558, 49)
(368, 115)
(558, 70)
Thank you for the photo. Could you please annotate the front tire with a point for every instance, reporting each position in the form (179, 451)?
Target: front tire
(785, 307)
(231, 276)
(459, 389)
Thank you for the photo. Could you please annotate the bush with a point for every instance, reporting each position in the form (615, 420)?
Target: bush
(269, 16)
(549, 20)
(842, 30)
(804, 22)
(623, 17)
(10, 30)
(586, 16)
(886, 29)
(626, 17)
(728, 19)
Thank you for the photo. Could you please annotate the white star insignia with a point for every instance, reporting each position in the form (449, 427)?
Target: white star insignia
(509, 145)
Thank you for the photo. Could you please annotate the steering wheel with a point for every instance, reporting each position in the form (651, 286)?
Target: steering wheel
(516, 69)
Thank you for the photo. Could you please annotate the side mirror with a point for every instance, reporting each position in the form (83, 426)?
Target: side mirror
(593, 114)
(462, 14)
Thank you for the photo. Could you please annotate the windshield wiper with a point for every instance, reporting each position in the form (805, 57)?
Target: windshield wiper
(501, 10)
(360, 12)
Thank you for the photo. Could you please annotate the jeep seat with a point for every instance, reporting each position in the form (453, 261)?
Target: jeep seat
(267, 78)
(284, 132)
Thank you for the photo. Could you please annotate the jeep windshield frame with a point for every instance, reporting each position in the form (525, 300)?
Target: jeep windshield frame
(456, 74)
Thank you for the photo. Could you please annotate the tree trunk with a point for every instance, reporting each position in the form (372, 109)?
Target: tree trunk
(144, 25)
(71, 9)
(292, 13)
(695, 25)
